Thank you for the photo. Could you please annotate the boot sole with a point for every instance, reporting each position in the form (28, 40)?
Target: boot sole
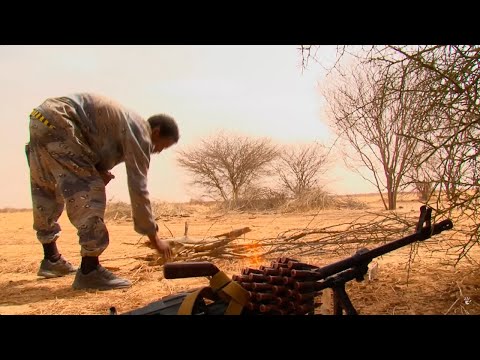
(102, 288)
(51, 275)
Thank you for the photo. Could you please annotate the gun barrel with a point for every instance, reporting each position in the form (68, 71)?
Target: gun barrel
(366, 256)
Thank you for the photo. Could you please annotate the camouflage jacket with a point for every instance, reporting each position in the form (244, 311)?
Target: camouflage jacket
(114, 134)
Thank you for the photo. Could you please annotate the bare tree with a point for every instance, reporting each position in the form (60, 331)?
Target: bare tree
(453, 74)
(451, 131)
(380, 124)
(225, 164)
(299, 167)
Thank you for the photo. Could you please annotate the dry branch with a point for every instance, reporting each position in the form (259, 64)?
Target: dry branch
(341, 239)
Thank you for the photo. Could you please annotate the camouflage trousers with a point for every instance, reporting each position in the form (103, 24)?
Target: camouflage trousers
(63, 175)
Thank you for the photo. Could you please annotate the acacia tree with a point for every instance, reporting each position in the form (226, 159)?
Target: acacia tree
(224, 165)
(378, 123)
(299, 167)
(451, 131)
(453, 75)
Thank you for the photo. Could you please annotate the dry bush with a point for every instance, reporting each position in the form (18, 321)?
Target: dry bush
(370, 229)
(164, 209)
(198, 201)
(118, 211)
(261, 199)
(253, 199)
(322, 200)
(122, 211)
(424, 190)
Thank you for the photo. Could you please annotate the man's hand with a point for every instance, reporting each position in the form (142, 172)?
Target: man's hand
(106, 176)
(161, 246)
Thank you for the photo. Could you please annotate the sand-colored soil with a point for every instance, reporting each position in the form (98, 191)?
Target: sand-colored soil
(433, 285)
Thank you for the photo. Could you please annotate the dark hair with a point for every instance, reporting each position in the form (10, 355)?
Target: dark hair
(168, 126)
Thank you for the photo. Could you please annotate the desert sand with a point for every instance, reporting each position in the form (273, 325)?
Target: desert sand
(432, 284)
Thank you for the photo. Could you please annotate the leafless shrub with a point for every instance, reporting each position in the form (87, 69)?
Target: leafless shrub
(225, 164)
(122, 211)
(256, 199)
(118, 211)
(321, 200)
(379, 125)
(299, 167)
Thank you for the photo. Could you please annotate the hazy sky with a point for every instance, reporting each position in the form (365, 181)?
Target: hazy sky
(255, 90)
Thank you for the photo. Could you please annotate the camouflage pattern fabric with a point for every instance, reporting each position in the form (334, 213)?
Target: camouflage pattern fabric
(71, 140)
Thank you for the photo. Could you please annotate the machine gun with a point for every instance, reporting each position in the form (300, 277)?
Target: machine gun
(287, 286)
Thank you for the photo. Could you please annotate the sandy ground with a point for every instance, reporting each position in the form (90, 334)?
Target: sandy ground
(431, 285)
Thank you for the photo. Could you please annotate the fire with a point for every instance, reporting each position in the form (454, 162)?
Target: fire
(254, 258)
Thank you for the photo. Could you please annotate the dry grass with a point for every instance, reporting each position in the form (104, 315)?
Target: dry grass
(121, 211)
(269, 200)
(118, 211)
(431, 284)
(322, 200)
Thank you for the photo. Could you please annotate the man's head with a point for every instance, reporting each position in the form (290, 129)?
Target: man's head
(164, 132)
